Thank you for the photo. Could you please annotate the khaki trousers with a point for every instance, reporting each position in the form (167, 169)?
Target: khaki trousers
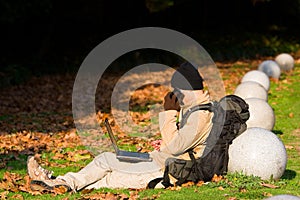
(107, 171)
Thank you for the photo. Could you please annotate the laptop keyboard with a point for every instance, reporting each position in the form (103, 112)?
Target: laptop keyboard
(133, 154)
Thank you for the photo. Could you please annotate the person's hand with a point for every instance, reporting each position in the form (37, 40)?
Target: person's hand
(171, 102)
(156, 144)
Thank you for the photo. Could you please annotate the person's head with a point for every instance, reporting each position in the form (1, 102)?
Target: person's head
(186, 81)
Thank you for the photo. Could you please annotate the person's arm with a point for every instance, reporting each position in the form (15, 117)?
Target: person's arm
(179, 141)
(167, 125)
(176, 141)
(168, 118)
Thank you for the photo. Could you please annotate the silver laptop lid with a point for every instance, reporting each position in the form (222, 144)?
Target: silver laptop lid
(111, 135)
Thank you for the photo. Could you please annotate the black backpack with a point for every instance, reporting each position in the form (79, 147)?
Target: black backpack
(229, 121)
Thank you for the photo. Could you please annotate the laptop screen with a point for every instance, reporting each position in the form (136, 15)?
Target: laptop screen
(125, 155)
(111, 135)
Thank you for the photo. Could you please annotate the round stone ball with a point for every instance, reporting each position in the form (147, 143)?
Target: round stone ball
(283, 197)
(258, 152)
(270, 68)
(285, 61)
(257, 76)
(251, 89)
(261, 114)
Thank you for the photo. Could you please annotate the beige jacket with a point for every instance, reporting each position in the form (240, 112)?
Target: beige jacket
(192, 135)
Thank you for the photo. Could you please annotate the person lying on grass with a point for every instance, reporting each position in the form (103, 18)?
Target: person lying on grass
(106, 171)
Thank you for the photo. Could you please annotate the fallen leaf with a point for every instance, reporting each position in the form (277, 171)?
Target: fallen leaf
(58, 156)
(289, 147)
(94, 196)
(3, 195)
(188, 184)
(174, 188)
(17, 196)
(25, 187)
(134, 195)
(78, 155)
(267, 194)
(232, 198)
(11, 177)
(220, 188)
(111, 196)
(123, 196)
(243, 190)
(269, 185)
(60, 190)
(200, 183)
(216, 178)
(34, 193)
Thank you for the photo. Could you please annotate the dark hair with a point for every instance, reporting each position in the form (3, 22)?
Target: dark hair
(187, 77)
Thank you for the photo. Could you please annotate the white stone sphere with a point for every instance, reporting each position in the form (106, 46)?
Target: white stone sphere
(257, 76)
(258, 152)
(270, 68)
(283, 197)
(261, 114)
(251, 89)
(285, 61)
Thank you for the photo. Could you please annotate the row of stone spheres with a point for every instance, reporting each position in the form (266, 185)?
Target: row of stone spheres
(258, 151)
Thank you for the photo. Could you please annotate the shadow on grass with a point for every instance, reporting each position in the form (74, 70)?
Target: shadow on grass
(13, 162)
(277, 132)
(289, 174)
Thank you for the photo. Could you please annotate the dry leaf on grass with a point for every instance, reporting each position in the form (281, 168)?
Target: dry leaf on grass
(60, 190)
(216, 178)
(17, 197)
(102, 196)
(111, 196)
(188, 184)
(243, 190)
(134, 195)
(174, 188)
(123, 196)
(220, 188)
(289, 147)
(232, 198)
(3, 195)
(268, 185)
(267, 194)
(200, 183)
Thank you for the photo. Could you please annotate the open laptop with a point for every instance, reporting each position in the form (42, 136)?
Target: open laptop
(126, 155)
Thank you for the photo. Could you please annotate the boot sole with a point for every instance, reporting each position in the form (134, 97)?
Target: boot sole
(41, 186)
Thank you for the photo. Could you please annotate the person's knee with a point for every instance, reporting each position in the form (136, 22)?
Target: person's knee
(105, 155)
(103, 158)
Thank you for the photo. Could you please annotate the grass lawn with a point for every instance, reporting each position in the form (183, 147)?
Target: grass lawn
(284, 98)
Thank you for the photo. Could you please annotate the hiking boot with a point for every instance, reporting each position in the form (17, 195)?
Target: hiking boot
(35, 171)
(51, 185)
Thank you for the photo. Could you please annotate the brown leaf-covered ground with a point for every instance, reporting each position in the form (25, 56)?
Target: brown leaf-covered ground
(36, 116)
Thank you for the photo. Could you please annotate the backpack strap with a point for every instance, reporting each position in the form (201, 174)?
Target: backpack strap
(166, 179)
(191, 169)
(208, 106)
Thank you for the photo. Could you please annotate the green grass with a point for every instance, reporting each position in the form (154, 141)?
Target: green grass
(283, 97)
